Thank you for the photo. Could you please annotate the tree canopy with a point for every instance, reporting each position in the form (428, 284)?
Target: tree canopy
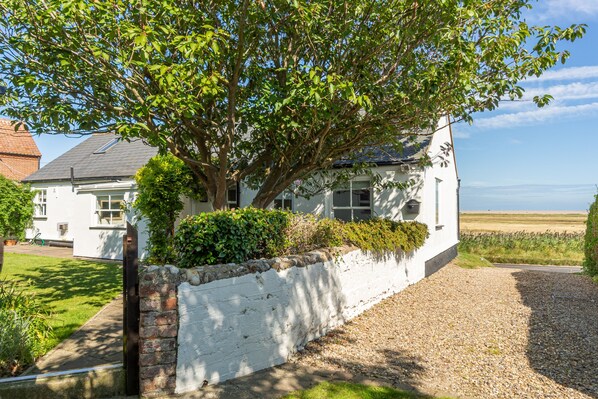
(266, 92)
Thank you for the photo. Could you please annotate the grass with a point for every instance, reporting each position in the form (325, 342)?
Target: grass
(73, 290)
(549, 248)
(345, 390)
(471, 261)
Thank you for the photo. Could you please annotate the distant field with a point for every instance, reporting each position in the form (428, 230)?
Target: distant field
(523, 221)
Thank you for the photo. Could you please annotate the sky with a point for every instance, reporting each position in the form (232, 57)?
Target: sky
(521, 157)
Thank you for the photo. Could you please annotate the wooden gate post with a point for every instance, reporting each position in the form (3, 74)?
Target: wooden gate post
(131, 310)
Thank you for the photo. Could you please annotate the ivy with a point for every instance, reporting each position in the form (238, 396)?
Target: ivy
(162, 183)
(16, 208)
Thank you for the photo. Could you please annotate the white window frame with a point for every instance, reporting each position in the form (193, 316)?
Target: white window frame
(437, 195)
(98, 209)
(285, 196)
(40, 203)
(351, 207)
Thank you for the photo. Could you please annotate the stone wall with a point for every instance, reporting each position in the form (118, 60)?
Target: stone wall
(208, 324)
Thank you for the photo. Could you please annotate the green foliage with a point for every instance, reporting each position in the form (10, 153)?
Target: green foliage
(24, 329)
(161, 185)
(471, 261)
(549, 248)
(265, 92)
(230, 236)
(590, 263)
(347, 390)
(16, 208)
(250, 233)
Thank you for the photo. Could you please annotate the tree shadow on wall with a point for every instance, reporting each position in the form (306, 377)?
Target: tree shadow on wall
(230, 329)
(563, 328)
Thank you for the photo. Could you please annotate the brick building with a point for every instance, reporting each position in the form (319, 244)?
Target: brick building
(19, 155)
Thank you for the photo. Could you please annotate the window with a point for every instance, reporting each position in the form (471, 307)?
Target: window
(284, 201)
(232, 197)
(109, 210)
(106, 146)
(353, 202)
(437, 201)
(40, 201)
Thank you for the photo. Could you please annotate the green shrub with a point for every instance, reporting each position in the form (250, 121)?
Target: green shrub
(16, 208)
(249, 233)
(162, 182)
(590, 264)
(231, 236)
(24, 328)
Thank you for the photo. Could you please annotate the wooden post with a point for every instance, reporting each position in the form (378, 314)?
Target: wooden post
(131, 311)
(1, 252)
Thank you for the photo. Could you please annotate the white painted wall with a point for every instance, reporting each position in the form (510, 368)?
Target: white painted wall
(233, 327)
(76, 206)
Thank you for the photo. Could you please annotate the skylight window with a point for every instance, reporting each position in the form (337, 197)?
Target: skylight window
(106, 146)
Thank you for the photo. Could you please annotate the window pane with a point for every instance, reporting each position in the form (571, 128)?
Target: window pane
(288, 204)
(356, 185)
(343, 214)
(277, 204)
(115, 205)
(104, 217)
(341, 198)
(232, 195)
(117, 217)
(361, 197)
(362, 214)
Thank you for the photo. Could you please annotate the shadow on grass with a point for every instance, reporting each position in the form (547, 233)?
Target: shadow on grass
(563, 328)
(93, 283)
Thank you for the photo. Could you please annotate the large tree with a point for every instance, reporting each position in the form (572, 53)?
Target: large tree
(266, 92)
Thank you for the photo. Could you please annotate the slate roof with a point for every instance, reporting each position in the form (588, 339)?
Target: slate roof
(17, 143)
(119, 161)
(413, 149)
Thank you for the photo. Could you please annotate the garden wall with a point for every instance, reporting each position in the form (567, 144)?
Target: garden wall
(213, 323)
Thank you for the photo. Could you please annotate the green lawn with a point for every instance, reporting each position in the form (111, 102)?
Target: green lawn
(471, 261)
(345, 390)
(74, 290)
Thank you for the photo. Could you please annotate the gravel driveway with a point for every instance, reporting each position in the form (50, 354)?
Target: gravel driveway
(485, 333)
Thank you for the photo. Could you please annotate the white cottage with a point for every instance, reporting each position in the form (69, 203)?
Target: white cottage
(82, 193)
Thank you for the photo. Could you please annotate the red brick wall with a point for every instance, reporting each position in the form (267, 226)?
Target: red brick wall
(17, 167)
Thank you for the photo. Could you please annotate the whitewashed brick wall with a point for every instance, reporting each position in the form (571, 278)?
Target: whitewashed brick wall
(235, 326)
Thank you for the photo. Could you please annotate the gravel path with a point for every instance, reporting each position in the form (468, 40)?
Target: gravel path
(485, 333)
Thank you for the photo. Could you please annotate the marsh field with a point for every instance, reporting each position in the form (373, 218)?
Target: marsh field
(550, 238)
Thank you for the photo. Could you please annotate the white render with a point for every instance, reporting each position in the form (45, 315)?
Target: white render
(75, 205)
(233, 327)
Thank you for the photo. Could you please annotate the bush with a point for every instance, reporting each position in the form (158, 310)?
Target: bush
(16, 208)
(590, 264)
(249, 233)
(162, 182)
(24, 328)
(231, 236)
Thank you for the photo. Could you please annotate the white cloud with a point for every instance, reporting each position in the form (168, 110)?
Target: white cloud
(572, 73)
(570, 10)
(459, 133)
(572, 91)
(538, 116)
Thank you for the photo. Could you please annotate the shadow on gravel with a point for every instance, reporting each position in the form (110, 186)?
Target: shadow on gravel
(397, 369)
(563, 327)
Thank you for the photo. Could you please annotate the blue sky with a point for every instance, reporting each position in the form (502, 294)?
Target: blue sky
(520, 157)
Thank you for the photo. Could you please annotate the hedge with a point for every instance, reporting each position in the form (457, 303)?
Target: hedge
(590, 263)
(242, 234)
